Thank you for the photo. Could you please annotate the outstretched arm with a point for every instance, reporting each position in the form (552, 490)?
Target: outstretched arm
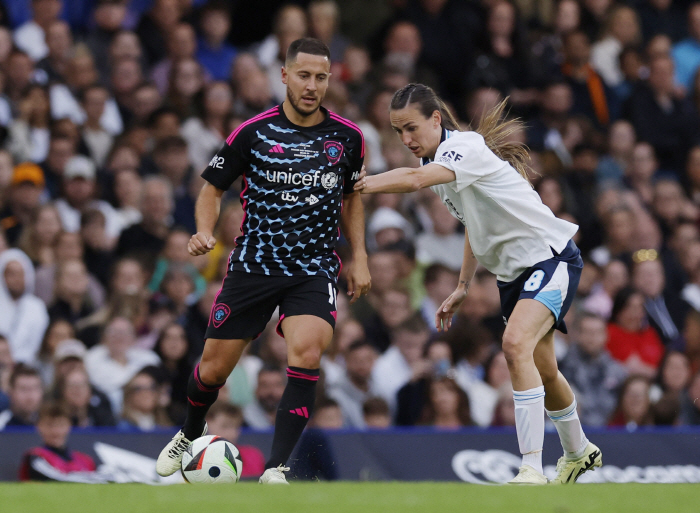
(352, 222)
(206, 215)
(443, 317)
(405, 179)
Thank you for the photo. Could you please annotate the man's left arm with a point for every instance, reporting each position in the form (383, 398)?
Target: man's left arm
(352, 222)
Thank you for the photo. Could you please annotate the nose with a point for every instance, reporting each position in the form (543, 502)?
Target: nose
(405, 139)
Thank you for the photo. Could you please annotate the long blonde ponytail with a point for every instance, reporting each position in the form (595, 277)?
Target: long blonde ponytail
(496, 131)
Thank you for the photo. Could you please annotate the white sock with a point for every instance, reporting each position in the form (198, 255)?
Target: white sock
(529, 424)
(568, 425)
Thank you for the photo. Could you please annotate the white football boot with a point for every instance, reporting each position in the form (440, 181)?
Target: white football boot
(568, 471)
(274, 476)
(170, 458)
(529, 476)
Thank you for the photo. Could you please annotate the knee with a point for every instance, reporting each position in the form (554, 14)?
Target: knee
(212, 374)
(307, 357)
(515, 348)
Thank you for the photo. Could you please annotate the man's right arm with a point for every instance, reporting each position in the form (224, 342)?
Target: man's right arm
(206, 215)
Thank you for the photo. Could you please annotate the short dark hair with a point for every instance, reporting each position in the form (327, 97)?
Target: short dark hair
(326, 402)
(53, 410)
(414, 324)
(227, 409)
(308, 45)
(433, 272)
(375, 406)
(359, 344)
(170, 143)
(22, 369)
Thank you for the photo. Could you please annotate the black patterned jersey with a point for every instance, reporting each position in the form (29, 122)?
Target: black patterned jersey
(294, 179)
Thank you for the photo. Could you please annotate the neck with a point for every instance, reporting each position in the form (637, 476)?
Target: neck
(214, 44)
(300, 120)
(359, 382)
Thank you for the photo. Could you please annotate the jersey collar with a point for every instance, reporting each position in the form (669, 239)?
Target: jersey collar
(443, 137)
(318, 125)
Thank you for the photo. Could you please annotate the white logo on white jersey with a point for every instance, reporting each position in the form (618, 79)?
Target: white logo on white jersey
(289, 197)
(311, 200)
(329, 180)
(217, 162)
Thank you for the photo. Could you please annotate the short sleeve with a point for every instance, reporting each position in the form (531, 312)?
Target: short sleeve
(357, 159)
(230, 162)
(468, 156)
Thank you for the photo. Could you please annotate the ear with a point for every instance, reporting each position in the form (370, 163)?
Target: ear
(285, 75)
(437, 118)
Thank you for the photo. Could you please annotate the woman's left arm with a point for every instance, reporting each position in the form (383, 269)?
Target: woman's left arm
(405, 179)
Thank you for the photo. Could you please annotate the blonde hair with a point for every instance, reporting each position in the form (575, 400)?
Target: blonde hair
(495, 130)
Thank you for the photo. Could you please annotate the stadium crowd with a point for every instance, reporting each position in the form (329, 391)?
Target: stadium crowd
(110, 110)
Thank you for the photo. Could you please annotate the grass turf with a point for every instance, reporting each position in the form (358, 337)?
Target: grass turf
(348, 497)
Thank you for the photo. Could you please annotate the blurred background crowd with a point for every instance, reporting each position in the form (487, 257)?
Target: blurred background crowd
(110, 109)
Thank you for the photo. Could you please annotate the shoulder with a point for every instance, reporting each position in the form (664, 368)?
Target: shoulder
(460, 141)
(249, 126)
(351, 127)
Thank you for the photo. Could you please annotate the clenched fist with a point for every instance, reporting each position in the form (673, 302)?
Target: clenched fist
(201, 244)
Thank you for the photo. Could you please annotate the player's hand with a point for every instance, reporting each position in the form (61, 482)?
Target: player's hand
(201, 244)
(362, 181)
(443, 317)
(359, 280)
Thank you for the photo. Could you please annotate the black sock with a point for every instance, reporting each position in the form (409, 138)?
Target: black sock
(293, 413)
(200, 397)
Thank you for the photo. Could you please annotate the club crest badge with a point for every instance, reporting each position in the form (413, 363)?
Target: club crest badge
(333, 150)
(329, 180)
(220, 314)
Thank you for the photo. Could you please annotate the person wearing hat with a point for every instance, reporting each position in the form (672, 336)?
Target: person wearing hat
(24, 196)
(79, 196)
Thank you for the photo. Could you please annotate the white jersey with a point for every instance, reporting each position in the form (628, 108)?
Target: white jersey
(509, 227)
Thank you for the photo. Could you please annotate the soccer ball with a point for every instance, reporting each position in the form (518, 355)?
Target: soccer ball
(211, 459)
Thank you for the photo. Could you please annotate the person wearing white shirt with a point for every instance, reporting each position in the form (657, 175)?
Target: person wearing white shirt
(115, 360)
(481, 177)
(30, 37)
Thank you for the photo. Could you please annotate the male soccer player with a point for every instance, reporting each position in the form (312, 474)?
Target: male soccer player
(299, 164)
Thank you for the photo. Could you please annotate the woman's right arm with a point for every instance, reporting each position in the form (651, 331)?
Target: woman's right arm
(405, 179)
(443, 317)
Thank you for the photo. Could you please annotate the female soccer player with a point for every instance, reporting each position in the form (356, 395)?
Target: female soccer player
(481, 178)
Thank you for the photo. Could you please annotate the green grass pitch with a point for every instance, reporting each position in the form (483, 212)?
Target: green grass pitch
(348, 497)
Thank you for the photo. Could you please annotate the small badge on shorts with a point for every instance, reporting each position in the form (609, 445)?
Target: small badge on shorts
(334, 150)
(221, 313)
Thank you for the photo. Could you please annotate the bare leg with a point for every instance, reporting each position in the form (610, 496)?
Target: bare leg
(558, 392)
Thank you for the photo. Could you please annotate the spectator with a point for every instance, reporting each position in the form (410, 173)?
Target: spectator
(154, 27)
(355, 385)
(142, 408)
(24, 196)
(58, 331)
(445, 245)
(621, 145)
(622, 29)
(38, 238)
(112, 363)
(403, 360)
(25, 394)
(185, 87)
(73, 390)
(108, 18)
(24, 317)
(375, 413)
(324, 19)
(633, 406)
(669, 124)
(61, 148)
(171, 159)
(600, 300)
(674, 375)
(72, 299)
(54, 461)
(394, 309)
(147, 238)
(642, 169)
(592, 372)
(182, 44)
(619, 223)
(29, 132)
(172, 347)
(213, 52)
(98, 140)
(447, 406)
(661, 17)
(59, 42)
(225, 420)
(686, 54)
(631, 340)
(268, 393)
(30, 37)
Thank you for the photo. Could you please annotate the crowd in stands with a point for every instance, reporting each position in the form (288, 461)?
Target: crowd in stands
(110, 110)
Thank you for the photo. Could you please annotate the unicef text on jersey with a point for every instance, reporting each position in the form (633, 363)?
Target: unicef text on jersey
(293, 178)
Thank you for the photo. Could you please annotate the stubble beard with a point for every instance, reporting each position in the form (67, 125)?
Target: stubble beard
(294, 103)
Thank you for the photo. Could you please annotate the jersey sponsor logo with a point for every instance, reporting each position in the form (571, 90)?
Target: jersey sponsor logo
(334, 150)
(311, 200)
(289, 177)
(355, 176)
(217, 162)
(221, 313)
(329, 180)
(286, 196)
(450, 155)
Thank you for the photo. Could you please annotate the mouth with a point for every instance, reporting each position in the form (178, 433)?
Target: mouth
(308, 100)
(414, 150)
